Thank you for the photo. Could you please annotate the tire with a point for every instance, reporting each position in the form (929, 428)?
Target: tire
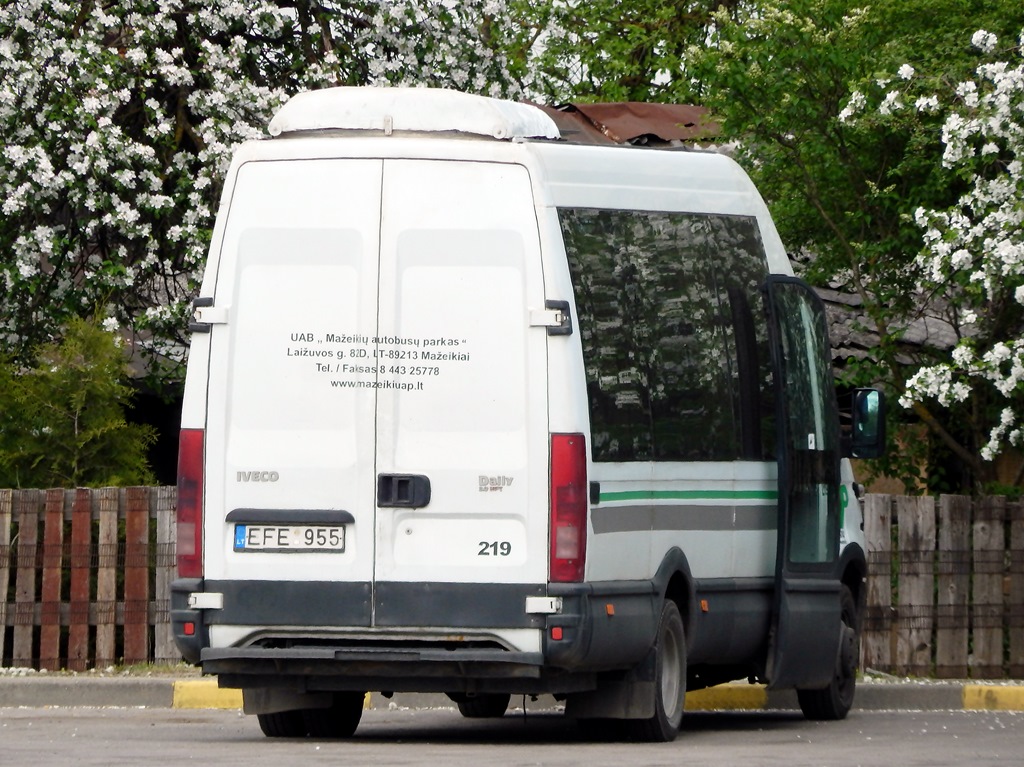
(488, 706)
(339, 720)
(835, 701)
(669, 682)
(282, 724)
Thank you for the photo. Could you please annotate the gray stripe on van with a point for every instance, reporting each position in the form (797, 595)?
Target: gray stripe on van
(625, 519)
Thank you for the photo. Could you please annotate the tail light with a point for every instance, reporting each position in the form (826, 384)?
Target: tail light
(190, 503)
(569, 493)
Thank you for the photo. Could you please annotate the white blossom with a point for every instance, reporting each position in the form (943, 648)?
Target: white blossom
(983, 40)
(854, 105)
(95, 130)
(891, 103)
(973, 252)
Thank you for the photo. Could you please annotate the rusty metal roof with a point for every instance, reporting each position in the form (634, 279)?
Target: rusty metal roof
(632, 122)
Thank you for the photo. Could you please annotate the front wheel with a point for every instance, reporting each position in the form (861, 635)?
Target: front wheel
(669, 681)
(835, 701)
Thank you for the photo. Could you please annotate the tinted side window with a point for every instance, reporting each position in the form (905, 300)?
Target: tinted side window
(674, 334)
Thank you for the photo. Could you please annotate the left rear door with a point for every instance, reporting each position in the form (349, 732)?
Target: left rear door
(290, 453)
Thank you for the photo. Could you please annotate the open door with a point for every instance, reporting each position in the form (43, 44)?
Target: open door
(806, 621)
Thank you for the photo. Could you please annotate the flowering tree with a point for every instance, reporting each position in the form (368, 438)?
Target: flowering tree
(119, 119)
(845, 157)
(607, 50)
(973, 256)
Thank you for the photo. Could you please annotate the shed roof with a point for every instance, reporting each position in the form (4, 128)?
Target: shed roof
(632, 122)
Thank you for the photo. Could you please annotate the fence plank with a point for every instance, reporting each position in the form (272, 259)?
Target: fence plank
(164, 648)
(878, 638)
(53, 551)
(6, 504)
(81, 569)
(1015, 606)
(953, 587)
(26, 503)
(916, 585)
(136, 576)
(106, 577)
(987, 611)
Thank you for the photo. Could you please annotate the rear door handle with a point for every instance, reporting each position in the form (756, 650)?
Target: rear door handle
(408, 491)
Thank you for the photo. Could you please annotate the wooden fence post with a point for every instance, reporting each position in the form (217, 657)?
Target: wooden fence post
(52, 560)
(26, 503)
(6, 504)
(877, 642)
(106, 578)
(1015, 607)
(987, 613)
(953, 587)
(81, 569)
(916, 585)
(164, 648)
(136, 576)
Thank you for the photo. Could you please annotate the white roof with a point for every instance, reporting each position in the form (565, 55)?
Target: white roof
(411, 109)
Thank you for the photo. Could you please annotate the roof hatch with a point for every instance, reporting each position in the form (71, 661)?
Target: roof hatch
(410, 109)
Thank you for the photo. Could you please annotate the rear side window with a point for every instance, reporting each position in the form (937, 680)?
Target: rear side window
(675, 337)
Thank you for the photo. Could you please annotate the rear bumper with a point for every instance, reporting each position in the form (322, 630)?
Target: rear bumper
(318, 636)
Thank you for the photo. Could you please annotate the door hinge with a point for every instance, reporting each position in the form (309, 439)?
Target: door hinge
(207, 315)
(543, 605)
(555, 316)
(206, 600)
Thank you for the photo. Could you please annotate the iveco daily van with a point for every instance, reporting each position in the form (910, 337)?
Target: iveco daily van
(473, 410)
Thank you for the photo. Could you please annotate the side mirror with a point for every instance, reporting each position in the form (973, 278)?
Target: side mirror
(867, 431)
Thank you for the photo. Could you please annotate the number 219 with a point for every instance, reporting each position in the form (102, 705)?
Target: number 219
(494, 549)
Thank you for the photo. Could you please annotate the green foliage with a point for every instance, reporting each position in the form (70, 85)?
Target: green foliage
(779, 76)
(62, 421)
(605, 50)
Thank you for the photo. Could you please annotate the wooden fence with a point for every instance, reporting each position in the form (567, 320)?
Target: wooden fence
(85, 582)
(945, 587)
(85, 577)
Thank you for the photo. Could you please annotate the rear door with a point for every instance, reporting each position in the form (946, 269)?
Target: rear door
(807, 608)
(461, 453)
(384, 425)
(290, 437)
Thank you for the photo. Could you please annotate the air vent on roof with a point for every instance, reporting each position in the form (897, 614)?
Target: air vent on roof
(410, 109)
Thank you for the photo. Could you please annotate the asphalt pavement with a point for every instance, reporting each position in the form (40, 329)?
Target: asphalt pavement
(38, 689)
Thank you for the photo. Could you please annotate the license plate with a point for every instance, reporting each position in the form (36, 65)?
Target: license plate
(290, 538)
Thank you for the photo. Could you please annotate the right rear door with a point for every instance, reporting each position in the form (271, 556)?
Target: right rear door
(462, 409)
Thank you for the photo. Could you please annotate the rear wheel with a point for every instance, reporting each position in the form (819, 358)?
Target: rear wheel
(835, 701)
(339, 720)
(669, 680)
(282, 724)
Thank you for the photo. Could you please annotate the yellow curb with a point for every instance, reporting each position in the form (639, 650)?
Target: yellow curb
(982, 697)
(204, 693)
(727, 697)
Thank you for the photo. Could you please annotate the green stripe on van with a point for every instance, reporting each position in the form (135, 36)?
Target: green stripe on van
(691, 495)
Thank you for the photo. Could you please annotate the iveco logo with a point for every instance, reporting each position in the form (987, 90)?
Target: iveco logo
(257, 476)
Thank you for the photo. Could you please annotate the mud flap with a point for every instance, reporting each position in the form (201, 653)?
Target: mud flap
(621, 696)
